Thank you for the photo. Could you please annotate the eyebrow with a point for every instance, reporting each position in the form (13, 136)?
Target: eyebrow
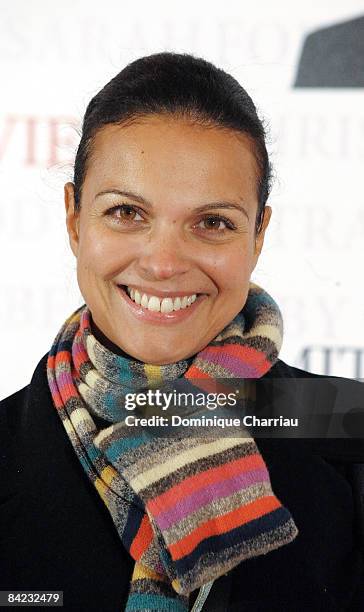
(139, 198)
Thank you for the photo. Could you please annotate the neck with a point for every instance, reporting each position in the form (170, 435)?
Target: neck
(106, 342)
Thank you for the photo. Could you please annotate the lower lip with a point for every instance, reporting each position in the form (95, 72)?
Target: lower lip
(160, 317)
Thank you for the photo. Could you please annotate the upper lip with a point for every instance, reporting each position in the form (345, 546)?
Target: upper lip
(158, 292)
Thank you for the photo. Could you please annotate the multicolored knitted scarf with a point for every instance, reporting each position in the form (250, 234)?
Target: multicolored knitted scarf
(187, 509)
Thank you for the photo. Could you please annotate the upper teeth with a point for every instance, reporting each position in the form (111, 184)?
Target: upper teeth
(156, 304)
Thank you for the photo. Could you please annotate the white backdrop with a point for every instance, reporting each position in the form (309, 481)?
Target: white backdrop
(55, 57)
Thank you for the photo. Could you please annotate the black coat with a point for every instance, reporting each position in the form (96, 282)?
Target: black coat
(56, 533)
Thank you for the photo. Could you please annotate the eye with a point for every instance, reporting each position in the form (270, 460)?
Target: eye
(124, 213)
(216, 223)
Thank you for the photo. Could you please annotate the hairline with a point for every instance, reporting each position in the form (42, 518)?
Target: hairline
(193, 117)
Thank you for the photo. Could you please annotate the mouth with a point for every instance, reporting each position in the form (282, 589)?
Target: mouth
(166, 307)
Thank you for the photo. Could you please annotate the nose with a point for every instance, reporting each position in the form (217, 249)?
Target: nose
(163, 255)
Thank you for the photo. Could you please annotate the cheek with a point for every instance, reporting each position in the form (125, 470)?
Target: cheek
(231, 267)
(102, 253)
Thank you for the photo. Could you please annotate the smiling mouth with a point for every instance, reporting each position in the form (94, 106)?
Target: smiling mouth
(155, 303)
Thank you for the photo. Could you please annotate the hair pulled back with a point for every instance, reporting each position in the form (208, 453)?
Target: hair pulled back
(182, 85)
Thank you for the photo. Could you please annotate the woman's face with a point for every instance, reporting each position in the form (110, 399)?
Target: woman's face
(168, 212)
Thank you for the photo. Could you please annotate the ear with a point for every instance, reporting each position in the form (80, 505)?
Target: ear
(72, 217)
(259, 239)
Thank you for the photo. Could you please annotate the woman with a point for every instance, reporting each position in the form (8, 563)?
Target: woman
(166, 218)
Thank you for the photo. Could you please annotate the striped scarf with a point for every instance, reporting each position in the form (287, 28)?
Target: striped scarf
(187, 509)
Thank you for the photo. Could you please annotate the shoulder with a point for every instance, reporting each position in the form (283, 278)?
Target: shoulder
(14, 408)
(330, 409)
(31, 433)
(282, 370)
(11, 410)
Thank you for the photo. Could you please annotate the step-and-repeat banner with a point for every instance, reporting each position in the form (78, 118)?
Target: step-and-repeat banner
(304, 68)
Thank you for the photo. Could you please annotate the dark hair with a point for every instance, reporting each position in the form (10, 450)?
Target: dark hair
(182, 85)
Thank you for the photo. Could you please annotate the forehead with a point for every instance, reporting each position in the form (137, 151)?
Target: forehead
(173, 153)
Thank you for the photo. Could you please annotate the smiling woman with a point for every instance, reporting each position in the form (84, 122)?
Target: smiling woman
(168, 211)
(166, 217)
